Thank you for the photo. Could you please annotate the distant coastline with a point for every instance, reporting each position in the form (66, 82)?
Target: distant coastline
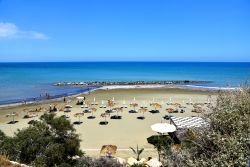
(107, 83)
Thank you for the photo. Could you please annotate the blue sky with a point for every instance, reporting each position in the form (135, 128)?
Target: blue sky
(124, 30)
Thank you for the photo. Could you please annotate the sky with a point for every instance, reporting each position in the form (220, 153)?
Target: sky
(124, 30)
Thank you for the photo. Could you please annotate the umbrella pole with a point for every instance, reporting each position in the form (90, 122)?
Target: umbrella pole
(159, 151)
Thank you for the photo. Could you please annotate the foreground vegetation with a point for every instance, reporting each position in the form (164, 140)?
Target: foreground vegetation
(226, 142)
(52, 141)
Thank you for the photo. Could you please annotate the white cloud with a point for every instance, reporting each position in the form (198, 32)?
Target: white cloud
(10, 30)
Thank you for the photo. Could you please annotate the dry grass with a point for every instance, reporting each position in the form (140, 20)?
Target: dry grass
(4, 162)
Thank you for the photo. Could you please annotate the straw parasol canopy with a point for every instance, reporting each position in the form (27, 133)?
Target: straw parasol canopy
(104, 115)
(177, 104)
(163, 128)
(32, 114)
(12, 114)
(68, 106)
(118, 109)
(156, 106)
(133, 105)
(79, 115)
(111, 103)
(142, 110)
(92, 110)
(108, 150)
(170, 110)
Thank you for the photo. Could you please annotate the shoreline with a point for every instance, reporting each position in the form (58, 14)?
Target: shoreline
(117, 87)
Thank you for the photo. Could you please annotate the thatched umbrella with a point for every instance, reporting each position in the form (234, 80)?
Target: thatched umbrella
(156, 106)
(177, 104)
(117, 116)
(79, 115)
(68, 106)
(26, 111)
(104, 115)
(32, 114)
(142, 110)
(92, 110)
(108, 150)
(12, 114)
(134, 105)
(110, 105)
(118, 109)
(170, 110)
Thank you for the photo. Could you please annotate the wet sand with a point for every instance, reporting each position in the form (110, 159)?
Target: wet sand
(125, 133)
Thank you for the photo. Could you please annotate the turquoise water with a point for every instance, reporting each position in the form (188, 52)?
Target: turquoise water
(20, 81)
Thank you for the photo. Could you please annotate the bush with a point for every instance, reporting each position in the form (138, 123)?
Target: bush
(98, 162)
(49, 142)
(227, 141)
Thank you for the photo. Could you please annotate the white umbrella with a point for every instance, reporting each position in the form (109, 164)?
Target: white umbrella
(154, 162)
(134, 98)
(80, 98)
(94, 99)
(163, 128)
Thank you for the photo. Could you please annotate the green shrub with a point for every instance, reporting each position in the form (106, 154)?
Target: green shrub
(49, 142)
(227, 141)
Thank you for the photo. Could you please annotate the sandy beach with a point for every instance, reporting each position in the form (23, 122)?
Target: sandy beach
(124, 133)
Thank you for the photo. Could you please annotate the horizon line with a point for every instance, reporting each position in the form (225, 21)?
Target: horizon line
(125, 62)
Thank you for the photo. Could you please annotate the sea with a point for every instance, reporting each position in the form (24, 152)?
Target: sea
(32, 81)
